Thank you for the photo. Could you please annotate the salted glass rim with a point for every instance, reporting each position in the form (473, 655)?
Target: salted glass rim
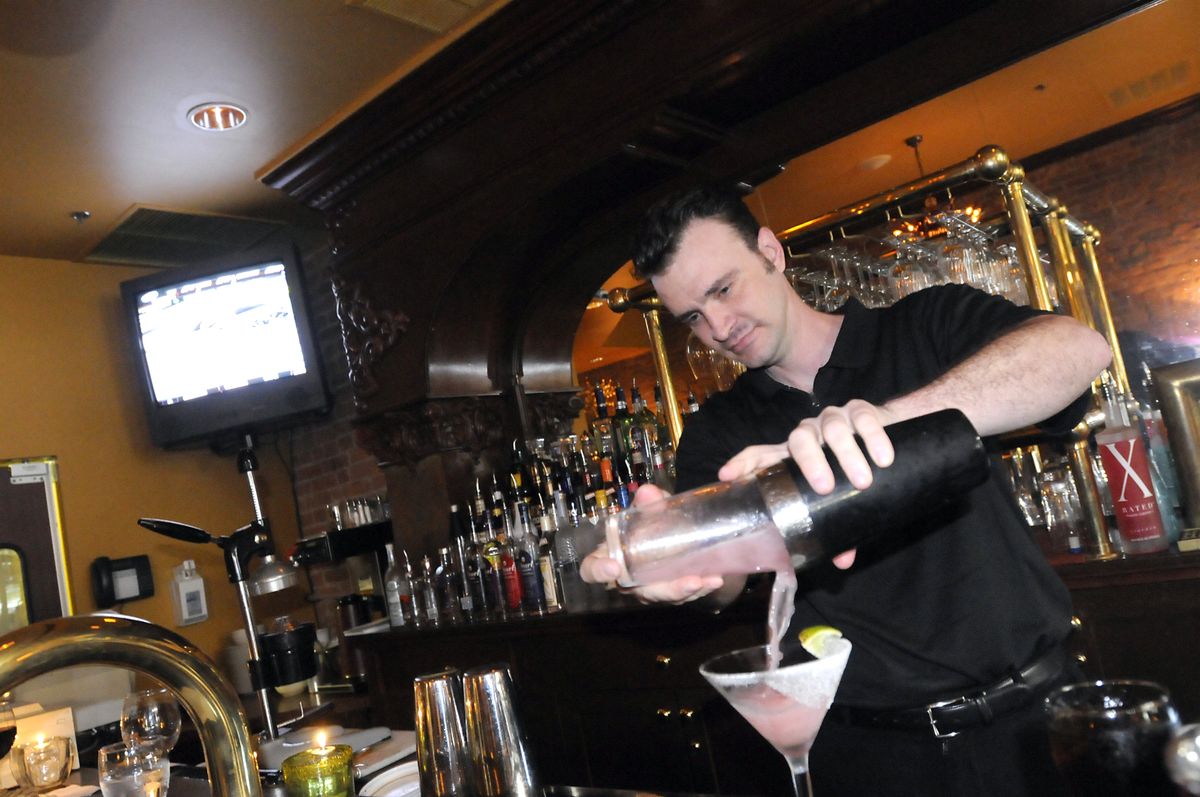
(839, 650)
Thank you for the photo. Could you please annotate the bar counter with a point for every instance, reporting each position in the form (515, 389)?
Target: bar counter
(614, 699)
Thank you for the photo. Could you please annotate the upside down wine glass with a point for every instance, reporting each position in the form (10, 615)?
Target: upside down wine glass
(784, 702)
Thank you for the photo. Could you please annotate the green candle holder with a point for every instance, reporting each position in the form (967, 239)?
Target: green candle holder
(320, 772)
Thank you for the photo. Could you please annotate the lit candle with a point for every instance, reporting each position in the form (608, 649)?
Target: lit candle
(44, 764)
(321, 771)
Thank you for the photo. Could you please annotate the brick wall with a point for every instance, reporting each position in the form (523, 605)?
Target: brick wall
(1142, 191)
(327, 465)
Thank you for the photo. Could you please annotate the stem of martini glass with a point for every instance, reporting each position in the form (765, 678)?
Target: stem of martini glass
(800, 780)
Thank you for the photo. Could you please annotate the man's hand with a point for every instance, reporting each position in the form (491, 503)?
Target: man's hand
(599, 568)
(835, 427)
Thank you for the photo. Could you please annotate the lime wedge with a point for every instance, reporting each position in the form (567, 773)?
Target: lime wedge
(816, 638)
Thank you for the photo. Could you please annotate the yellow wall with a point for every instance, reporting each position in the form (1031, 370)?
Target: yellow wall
(68, 389)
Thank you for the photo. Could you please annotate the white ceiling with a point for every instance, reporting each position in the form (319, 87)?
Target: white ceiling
(94, 93)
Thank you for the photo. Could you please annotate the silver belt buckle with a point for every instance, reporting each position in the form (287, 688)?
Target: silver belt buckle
(933, 722)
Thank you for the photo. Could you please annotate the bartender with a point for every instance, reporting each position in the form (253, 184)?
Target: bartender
(959, 630)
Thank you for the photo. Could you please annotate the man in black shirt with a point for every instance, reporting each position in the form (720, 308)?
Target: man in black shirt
(965, 613)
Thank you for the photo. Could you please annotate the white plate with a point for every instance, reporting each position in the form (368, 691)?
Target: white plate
(400, 780)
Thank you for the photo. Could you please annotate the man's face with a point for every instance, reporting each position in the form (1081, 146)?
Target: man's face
(733, 297)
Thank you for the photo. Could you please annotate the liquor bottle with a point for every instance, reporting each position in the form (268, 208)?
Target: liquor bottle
(548, 564)
(445, 588)
(525, 551)
(1127, 466)
(472, 572)
(642, 416)
(602, 426)
(623, 484)
(397, 590)
(426, 603)
(573, 592)
(520, 479)
(1161, 459)
(491, 564)
(622, 424)
(693, 403)
(497, 508)
(510, 577)
(666, 444)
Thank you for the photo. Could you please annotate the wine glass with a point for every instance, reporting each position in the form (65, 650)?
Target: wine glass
(784, 702)
(1109, 737)
(8, 727)
(151, 718)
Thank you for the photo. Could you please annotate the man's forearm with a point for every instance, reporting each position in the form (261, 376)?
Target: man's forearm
(1017, 380)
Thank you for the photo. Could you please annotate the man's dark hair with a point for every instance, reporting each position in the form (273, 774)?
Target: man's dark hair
(657, 239)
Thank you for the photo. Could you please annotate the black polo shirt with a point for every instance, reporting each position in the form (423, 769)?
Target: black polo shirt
(935, 610)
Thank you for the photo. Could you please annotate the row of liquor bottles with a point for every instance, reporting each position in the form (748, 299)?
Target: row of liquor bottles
(514, 548)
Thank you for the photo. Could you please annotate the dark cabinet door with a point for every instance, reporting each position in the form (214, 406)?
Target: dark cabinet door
(634, 740)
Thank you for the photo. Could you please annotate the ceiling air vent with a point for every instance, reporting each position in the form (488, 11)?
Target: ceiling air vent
(164, 238)
(1146, 88)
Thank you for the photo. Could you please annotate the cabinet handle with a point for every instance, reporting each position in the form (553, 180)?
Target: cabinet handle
(664, 713)
(686, 713)
(662, 662)
(1081, 658)
(1076, 622)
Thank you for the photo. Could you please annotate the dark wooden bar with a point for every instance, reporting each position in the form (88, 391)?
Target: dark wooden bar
(1139, 617)
(615, 699)
(612, 699)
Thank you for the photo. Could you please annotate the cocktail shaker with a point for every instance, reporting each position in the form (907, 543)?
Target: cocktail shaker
(773, 519)
(441, 746)
(500, 762)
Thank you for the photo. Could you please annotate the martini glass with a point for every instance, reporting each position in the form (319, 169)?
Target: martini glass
(784, 702)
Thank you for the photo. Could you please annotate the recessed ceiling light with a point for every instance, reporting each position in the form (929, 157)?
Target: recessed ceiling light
(217, 116)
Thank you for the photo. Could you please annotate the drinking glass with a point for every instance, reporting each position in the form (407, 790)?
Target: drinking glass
(151, 719)
(130, 771)
(1109, 737)
(785, 702)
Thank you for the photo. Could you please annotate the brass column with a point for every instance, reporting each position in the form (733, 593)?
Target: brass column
(1100, 296)
(662, 367)
(642, 297)
(1066, 267)
(1011, 188)
(1018, 218)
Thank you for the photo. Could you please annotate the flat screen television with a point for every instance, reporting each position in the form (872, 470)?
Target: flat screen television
(226, 348)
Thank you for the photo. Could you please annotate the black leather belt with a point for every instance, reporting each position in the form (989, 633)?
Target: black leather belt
(947, 718)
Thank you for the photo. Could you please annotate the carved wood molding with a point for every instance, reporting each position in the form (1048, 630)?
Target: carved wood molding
(551, 414)
(441, 95)
(367, 333)
(406, 436)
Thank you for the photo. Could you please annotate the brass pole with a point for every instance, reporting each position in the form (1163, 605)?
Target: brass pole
(1096, 283)
(989, 163)
(1066, 268)
(1089, 499)
(1027, 251)
(1081, 467)
(662, 367)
